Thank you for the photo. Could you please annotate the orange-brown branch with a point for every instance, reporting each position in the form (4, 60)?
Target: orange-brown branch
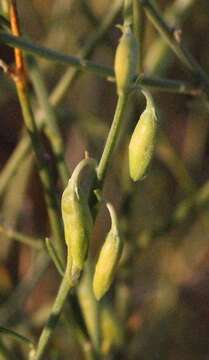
(15, 29)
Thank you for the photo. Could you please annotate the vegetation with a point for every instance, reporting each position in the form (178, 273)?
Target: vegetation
(104, 187)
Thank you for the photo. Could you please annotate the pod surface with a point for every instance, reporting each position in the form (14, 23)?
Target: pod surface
(142, 143)
(126, 59)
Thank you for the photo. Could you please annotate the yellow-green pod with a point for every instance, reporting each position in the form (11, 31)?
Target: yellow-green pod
(108, 258)
(126, 59)
(77, 219)
(142, 142)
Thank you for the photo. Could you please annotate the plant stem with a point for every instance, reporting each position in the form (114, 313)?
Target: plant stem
(139, 30)
(19, 77)
(167, 154)
(128, 12)
(46, 53)
(68, 77)
(61, 297)
(85, 65)
(14, 162)
(25, 239)
(158, 55)
(112, 136)
(198, 200)
(5, 352)
(52, 129)
(16, 336)
(50, 195)
(173, 38)
(167, 85)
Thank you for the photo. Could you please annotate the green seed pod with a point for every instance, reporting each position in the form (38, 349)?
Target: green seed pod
(108, 258)
(142, 142)
(126, 59)
(77, 219)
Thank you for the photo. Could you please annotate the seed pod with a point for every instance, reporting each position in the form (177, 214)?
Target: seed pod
(126, 59)
(142, 142)
(77, 219)
(108, 258)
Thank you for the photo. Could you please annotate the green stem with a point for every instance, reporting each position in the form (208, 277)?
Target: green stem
(82, 64)
(167, 154)
(195, 201)
(25, 239)
(14, 162)
(139, 30)
(128, 13)
(31, 48)
(112, 136)
(46, 179)
(5, 352)
(16, 336)
(174, 41)
(69, 76)
(169, 86)
(63, 292)
(52, 129)
(159, 55)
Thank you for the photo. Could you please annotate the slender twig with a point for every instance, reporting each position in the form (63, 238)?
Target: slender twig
(46, 179)
(112, 137)
(61, 297)
(173, 38)
(168, 85)
(94, 39)
(46, 53)
(52, 129)
(16, 336)
(167, 154)
(5, 352)
(158, 54)
(14, 162)
(139, 30)
(25, 239)
(100, 70)
(128, 12)
(198, 200)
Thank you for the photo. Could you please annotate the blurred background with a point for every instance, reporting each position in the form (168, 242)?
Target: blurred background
(160, 298)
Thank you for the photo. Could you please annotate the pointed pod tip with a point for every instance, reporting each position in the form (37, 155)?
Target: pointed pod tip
(98, 294)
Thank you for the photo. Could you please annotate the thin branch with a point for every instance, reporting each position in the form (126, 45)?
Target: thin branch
(25, 239)
(173, 38)
(61, 297)
(198, 200)
(46, 53)
(51, 129)
(139, 30)
(168, 85)
(94, 39)
(112, 137)
(46, 179)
